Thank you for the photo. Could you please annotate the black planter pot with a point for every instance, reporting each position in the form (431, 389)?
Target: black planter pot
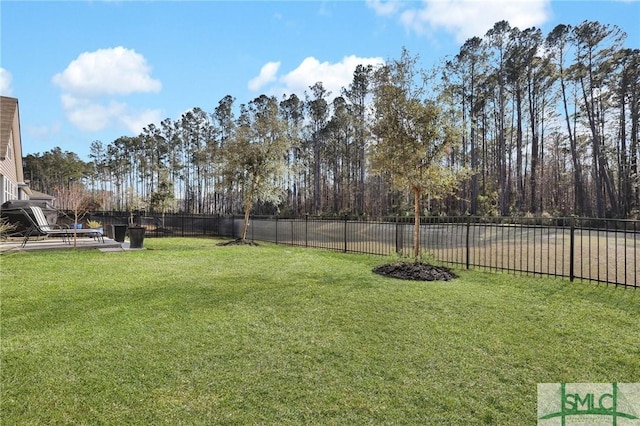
(136, 237)
(119, 232)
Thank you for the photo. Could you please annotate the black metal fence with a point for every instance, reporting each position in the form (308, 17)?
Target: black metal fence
(602, 250)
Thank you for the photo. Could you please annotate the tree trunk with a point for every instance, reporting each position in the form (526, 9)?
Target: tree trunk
(633, 161)
(316, 175)
(534, 149)
(602, 178)
(502, 160)
(245, 223)
(519, 136)
(474, 166)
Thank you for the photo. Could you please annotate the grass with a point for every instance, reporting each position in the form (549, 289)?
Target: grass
(187, 332)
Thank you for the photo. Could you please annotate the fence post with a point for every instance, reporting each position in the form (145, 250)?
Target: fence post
(572, 248)
(233, 228)
(468, 256)
(635, 254)
(306, 229)
(345, 233)
(276, 229)
(397, 237)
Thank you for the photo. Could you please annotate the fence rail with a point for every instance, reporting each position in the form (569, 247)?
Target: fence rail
(602, 250)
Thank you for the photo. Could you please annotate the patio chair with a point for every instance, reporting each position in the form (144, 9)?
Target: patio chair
(42, 227)
(39, 227)
(42, 221)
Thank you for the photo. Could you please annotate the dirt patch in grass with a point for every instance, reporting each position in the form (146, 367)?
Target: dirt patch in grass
(416, 271)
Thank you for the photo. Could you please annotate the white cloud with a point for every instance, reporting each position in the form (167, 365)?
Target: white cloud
(43, 132)
(116, 71)
(93, 84)
(267, 75)
(384, 8)
(90, 114)
(135, 122)
(465, 18)
(334, 76)
(5, 82)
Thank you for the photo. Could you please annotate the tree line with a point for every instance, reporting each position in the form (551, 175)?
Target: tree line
(540, 124)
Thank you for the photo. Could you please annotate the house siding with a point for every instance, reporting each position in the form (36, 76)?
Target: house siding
(10, 151)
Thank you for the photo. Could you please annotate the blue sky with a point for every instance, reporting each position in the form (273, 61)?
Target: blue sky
(98, 70)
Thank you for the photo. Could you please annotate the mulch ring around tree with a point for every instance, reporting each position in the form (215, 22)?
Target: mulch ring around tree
(416, 271)
(238, 242)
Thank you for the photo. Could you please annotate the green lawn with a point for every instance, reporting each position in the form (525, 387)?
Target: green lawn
(188, 332)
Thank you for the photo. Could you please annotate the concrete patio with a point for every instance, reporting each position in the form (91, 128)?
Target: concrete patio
(55, 243)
